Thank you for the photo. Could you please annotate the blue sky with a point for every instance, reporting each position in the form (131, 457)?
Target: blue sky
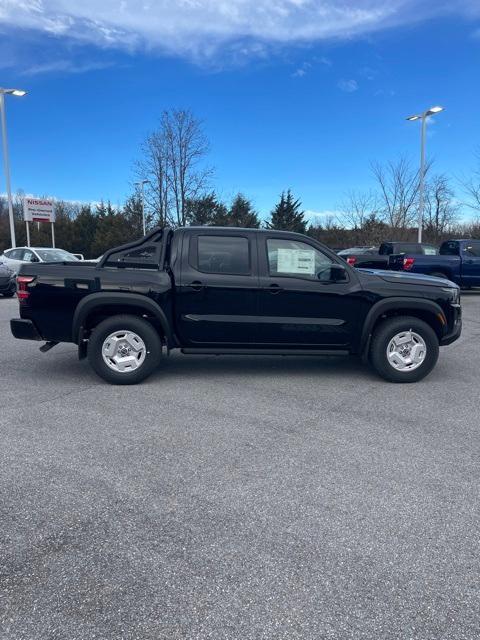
(296, 94)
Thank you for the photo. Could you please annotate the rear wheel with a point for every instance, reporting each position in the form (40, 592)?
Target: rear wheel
(9, 294)
(124, 349)
(404, 349)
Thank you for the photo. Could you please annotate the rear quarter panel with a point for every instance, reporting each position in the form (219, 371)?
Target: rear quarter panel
(59, 288)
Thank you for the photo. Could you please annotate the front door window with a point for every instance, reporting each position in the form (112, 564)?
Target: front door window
(290, 258)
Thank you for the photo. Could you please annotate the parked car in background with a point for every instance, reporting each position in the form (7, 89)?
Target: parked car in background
(357, 251)
(14, 258)
(209, 290)
(8, 283)
(383, 257)
(457, 261)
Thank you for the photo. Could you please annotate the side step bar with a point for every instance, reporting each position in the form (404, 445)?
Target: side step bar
(219, 351)
(47, 346)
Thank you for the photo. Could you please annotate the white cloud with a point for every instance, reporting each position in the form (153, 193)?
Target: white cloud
(199, 28)
(368, 73)
(319, 217)
(305, 67)
(299, 73)
(65, 66)
(323, 60)
(349, 86)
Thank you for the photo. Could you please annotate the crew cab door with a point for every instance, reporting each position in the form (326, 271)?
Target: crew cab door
(217, 297)
(300, 304)
(471, 263)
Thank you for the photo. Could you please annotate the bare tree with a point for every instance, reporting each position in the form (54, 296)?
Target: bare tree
(173, 161)
(441, 209)
(154, 167)
(357, 209)
(471, 186)
(398, 198)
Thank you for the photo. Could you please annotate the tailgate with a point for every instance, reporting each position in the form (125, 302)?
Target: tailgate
(395, 261)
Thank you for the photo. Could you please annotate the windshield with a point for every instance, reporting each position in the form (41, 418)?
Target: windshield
(55, 255)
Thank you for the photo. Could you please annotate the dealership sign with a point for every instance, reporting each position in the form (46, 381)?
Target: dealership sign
(38, 210)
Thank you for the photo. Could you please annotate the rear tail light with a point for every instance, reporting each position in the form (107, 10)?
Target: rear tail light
(22, 287)
(408, 263)
(351, 260)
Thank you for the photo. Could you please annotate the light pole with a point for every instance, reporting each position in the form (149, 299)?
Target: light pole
(141, 184)
(421, 187)
(6, 161)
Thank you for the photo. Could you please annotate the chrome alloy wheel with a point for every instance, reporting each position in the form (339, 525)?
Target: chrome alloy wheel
(406, 351)
(124, 351)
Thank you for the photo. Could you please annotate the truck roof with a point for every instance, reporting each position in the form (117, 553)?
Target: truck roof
(239, 229)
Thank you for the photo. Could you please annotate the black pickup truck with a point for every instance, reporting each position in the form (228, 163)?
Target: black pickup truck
(386, 254)
(208, 290)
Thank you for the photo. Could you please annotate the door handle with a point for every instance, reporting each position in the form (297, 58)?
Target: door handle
(273, 289)
(196, 285)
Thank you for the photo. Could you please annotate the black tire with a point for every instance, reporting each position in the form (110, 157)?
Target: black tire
(9, 294)
(384, 334)
(143, 330)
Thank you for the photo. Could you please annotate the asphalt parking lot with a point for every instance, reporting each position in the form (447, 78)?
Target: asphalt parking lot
(239, 498)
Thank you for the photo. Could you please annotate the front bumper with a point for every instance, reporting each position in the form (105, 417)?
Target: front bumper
(24, 329)
(456, 331)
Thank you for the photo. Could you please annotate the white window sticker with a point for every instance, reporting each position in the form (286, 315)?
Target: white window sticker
(296, 261)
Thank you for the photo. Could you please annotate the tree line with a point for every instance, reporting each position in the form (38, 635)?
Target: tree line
(179, 192)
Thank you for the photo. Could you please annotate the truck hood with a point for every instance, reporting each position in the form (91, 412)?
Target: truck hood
(401, 277)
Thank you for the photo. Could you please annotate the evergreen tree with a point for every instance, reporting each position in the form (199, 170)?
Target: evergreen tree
(113, 229)
(101, 209)
(242, 213)
(206, 211)
(133, 214)
(287, 215)
(84, 230)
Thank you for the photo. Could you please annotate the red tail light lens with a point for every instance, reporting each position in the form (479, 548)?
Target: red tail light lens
(351, 261)
(408, 263)
(22, 287)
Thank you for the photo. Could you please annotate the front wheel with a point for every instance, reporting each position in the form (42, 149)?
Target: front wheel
(124, 349)
(404, 349)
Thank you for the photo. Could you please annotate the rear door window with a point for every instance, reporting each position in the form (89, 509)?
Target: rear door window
(221, 254)
(407, 248)
(14, 254)
(450, 248)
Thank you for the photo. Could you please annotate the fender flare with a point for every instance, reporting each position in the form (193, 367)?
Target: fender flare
(388, 304)
(90, 302)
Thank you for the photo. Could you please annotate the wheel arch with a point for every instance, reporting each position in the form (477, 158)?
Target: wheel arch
(104, 304)
(426, 310)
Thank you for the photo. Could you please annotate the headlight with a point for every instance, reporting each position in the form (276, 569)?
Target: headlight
(454, 294)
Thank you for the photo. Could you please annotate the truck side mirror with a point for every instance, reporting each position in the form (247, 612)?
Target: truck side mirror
(338, 273)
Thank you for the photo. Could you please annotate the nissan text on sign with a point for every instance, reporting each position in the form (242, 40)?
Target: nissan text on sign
(38, 210)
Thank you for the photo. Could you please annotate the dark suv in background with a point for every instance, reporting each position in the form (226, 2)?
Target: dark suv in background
(7, 281)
